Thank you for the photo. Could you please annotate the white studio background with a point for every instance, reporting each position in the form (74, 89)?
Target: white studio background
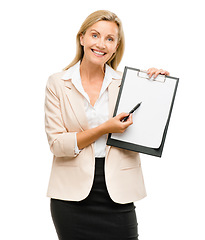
(38, 39)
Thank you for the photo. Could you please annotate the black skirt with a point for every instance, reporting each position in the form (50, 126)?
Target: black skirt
(97, 217)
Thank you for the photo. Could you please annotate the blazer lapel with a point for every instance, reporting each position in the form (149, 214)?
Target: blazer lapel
(77, 102)
(113, 90)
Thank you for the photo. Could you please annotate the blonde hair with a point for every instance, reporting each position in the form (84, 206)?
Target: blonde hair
(101, 15)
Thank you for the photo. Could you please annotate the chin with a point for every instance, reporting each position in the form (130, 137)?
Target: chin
(99, 62)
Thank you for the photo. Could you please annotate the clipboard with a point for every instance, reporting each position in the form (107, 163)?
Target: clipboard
(148, 132)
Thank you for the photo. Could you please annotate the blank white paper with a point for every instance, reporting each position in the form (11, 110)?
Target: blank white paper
(150, 119)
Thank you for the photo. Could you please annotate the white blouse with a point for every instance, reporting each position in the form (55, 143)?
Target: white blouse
(98, 113)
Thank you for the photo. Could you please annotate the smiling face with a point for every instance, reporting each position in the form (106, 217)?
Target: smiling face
(100, 42)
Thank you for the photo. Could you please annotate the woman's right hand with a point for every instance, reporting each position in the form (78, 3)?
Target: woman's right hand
(115, 124)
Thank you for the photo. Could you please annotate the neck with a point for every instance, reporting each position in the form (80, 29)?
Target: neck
(91, 71)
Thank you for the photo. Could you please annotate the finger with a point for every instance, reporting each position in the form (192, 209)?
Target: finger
(158, 72)
(151, 71)
(122, 115)
(166, 73)
(129, 121)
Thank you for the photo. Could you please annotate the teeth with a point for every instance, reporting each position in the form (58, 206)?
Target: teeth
(99, 53)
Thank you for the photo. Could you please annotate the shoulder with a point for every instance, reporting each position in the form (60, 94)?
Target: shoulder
(55, 84)
(55, 80)
(55, 77)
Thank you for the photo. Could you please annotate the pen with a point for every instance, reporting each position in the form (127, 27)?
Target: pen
(135, 108)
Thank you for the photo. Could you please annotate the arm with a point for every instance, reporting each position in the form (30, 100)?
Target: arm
(59, 137)
(57, 134)
(113, 125)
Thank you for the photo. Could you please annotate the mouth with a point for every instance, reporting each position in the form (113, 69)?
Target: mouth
(98, 53)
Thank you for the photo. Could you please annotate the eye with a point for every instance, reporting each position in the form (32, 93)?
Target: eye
(94, 35)
(110, 39)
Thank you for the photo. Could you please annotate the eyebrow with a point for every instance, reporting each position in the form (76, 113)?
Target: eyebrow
(94, 31)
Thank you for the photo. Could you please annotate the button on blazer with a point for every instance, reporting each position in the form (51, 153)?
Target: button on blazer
(72, 175)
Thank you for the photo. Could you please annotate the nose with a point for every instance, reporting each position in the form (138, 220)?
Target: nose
(100, 43)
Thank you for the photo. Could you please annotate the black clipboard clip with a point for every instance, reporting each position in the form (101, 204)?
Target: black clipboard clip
(143, 74)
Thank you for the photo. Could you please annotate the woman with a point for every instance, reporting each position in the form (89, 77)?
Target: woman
(92, 186)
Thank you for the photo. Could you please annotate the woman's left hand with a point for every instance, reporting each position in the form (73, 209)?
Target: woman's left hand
(156, 72)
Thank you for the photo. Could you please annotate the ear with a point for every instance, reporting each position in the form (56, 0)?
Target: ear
(117, 46)
(82, 39)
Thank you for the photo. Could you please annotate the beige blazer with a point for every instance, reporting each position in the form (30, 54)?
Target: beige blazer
(72, 176)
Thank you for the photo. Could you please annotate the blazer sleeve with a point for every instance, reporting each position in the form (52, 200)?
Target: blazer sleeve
(61, 142)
